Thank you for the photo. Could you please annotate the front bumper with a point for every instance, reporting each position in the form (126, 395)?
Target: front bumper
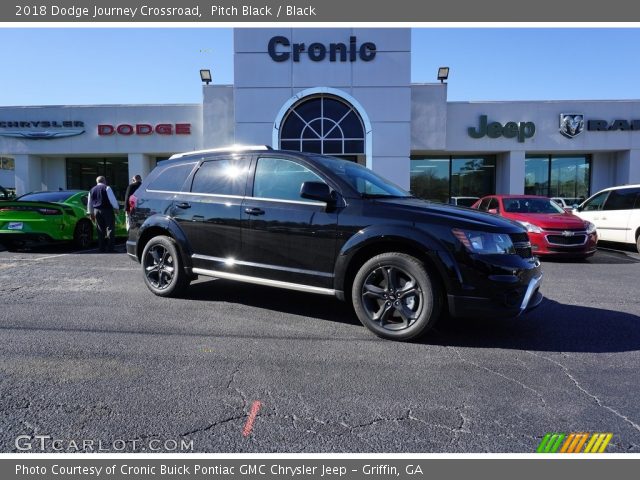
(498, 294)
(550, 243)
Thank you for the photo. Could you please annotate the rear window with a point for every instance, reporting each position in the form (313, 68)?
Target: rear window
(623, 199)
(46, 196)
(172, 178)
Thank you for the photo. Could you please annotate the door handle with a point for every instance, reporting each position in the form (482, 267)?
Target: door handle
(254, 211)
(183, 205)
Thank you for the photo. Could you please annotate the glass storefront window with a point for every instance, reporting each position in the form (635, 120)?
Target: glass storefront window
(430, 178)
(439, 178)
(566, 176)
(82, 173)
(7, 163)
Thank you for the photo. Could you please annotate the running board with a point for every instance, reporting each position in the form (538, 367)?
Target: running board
(263, 281)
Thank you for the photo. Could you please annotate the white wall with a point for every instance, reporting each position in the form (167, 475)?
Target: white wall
(381, 86)
(90, 143)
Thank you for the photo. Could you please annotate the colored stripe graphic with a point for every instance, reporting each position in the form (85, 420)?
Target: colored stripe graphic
(573, 442)
(583, 439)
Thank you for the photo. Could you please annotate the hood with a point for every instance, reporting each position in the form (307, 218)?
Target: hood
(559, 221)
(419, 210)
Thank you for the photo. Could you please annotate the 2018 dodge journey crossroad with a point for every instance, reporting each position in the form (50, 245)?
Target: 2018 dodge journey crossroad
(328, 226)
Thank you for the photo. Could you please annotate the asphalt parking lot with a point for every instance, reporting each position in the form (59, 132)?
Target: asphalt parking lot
(89, 354)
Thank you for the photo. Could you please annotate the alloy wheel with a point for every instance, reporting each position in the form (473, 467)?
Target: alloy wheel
(159, 267)
(392, 297)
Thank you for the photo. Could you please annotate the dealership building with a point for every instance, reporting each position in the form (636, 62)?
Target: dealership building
(343, 92)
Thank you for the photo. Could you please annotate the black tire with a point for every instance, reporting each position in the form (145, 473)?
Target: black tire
(162, 267)
(638, 243)
(395, 297)
(83, 234)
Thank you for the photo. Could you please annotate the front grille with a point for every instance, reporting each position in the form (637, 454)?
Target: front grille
(562, 240)
(521, 244)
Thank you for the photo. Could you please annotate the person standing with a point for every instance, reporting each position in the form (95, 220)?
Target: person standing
(131, 188)
(103, 207)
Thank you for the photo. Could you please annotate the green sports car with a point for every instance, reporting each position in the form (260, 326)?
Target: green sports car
(50, 217)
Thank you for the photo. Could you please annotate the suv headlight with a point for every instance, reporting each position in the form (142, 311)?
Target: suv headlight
(484, 242)
(530, 227)
(591, 228)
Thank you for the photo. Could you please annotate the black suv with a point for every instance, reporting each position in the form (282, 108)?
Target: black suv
(332, 227)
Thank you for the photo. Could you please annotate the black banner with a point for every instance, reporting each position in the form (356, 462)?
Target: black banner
(271, 11)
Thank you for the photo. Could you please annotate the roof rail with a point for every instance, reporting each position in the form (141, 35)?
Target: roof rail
(230, 148)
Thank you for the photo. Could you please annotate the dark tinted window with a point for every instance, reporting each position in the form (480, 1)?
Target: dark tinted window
(46, 196)
(222, 177)
(595, 203)
(531, 205)
(281, 179)
(623, 199)
(494, 205)
(172, 178)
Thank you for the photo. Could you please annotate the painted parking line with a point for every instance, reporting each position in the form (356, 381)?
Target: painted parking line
(253, 413)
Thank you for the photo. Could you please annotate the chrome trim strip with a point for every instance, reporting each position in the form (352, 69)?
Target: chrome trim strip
(263, 265)
(302, 202)
(533, 285)
(614, 228)
(264, 281)
(240, 197)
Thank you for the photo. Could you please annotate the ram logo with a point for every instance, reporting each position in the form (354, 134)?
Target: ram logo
(571, 124)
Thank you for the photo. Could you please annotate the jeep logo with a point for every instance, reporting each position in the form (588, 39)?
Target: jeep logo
(521, 130)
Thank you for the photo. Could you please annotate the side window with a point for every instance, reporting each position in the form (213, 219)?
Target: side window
(84, 199)
(622, 199)
(595, 203)
(171, 179)
(494, 205)
(484, 205)
(281, 179)
(227, 176)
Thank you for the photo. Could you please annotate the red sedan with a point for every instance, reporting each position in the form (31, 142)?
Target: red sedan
(552, 230)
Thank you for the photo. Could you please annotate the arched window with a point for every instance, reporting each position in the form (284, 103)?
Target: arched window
(325, 124)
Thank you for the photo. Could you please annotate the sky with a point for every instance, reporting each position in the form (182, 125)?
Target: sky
(75, 66)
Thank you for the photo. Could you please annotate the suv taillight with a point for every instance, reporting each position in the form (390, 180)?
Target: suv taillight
(132, 202)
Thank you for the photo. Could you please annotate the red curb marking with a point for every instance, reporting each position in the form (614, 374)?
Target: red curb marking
(253, 413)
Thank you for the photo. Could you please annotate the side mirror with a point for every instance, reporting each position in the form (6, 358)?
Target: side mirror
(493, 210)
(316, 191)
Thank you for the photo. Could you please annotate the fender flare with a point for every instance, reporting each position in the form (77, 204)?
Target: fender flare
(173, 230)
(414, 238)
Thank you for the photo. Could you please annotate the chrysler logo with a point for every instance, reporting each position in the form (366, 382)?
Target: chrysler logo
(70, 132)
(41, 129)
(571, 124)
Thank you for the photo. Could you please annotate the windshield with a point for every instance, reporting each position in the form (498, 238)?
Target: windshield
(46, 196)
(365, 181)
(531, 205)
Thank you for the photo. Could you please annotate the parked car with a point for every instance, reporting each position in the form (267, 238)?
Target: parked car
(332, 227)
(463, 201)
(568, 202)
(42, 217)
(552, 230)
(6, 194)
(616, 213)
